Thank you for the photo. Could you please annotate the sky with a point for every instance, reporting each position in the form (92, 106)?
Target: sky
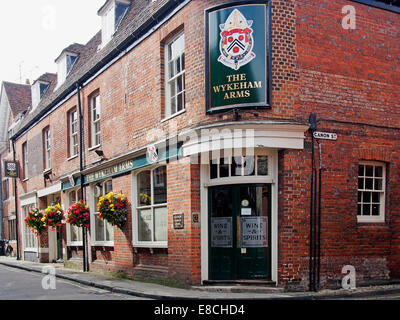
(34, 32)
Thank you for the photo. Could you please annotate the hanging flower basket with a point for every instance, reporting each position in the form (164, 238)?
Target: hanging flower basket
(113, 208)
(54, 216)
(79, 215)
(36, 221)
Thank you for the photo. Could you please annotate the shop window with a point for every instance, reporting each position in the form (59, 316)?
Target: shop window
(103, 231)
(151, 227)
(175, 76)
(242, 166)
(11, 229)
(29, 238)
(95, 139)
(371, 192)
(74, 232)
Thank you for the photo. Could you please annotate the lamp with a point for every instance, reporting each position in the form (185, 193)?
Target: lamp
(99, 152)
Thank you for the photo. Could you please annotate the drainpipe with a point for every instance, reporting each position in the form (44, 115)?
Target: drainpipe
(1, 202)
(84, 229)
(313, 128)
(16, 204)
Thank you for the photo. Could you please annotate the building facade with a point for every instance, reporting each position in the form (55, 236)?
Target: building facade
(254, 140)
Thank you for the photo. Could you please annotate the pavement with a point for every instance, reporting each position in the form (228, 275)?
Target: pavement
(160, 292)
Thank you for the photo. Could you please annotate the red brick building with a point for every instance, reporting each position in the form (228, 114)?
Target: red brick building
(204, 114)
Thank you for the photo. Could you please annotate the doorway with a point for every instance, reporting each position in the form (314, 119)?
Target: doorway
(240, 232)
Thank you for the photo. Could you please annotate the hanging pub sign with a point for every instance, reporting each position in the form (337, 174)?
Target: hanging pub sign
(11, 169)
(237, 56)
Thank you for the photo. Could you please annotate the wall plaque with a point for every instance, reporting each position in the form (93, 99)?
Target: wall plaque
(178, 221)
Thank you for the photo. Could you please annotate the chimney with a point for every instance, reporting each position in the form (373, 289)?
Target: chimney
(27, 82)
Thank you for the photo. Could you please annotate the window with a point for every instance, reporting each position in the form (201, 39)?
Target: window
(112, 15)
(46, 149)
(371, 192)
(65, 64)
(74, 232)
(175, 76)
(6, 193)
(151, 210)
(25, 161)
(239, 166)
(70, 61)
(103, 231)
(95, 121)
(73, 133)
(11, 229)
(30, 240)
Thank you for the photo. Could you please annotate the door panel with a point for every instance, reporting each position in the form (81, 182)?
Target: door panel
(239, 231)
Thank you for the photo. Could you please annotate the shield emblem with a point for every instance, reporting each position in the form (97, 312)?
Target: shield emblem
(237, 42)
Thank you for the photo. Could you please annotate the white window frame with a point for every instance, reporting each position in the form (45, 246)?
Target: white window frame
(47, 149)
(69, 227)
(136, 208)
(26, 231)
(95, 104)
(93, 215)
(25, 160)
(371, 218)
(169, 80)
(73, 147)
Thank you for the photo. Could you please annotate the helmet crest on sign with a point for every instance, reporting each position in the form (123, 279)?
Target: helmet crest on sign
(236, 45)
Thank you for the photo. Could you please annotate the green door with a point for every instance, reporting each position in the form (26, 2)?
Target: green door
(239, 232)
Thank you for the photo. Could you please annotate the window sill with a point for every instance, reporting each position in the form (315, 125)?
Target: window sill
(150, 246)
(366, 221)
(73, 157)
(102, 244)
(173, 116)
(95, 147)
(75, 244)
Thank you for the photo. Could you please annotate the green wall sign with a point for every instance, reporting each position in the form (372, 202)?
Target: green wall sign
(11, 169)
(237, 56)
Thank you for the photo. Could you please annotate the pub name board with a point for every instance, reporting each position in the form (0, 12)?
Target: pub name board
(237, 56)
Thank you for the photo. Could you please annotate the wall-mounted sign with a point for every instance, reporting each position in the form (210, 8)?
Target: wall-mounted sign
(109, 172)
(237, 56)
(325, 135)
(196, 217)
(152, 154)
(221, 232)
(253, 232)
(11, 169)
(178, 221)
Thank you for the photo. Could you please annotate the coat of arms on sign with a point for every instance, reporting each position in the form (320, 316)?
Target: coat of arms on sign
(237, 41)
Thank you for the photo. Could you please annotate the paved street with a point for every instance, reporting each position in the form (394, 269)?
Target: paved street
(18, 284)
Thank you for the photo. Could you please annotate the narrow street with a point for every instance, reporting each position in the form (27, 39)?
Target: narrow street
(18, 284)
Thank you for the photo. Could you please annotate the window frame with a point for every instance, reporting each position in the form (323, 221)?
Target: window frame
(382, 209)
(93, 214)
(5, 190)
(72, 135)
(93, 122)
(12, 221)
(136, 208)
(26, 231)
(46, 149)
(71, 243)
(168, 80)
(25, 161)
